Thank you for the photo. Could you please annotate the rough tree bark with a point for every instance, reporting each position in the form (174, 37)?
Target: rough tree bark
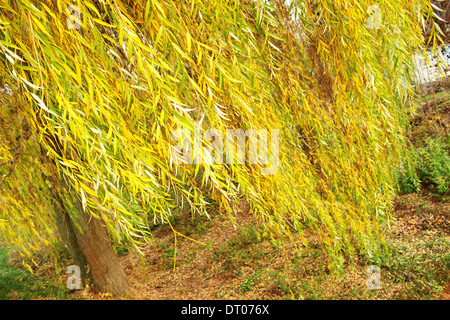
(68, 237)
(104, 266)
(86, 238)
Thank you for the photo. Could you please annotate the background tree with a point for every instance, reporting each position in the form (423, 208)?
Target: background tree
(103, 100)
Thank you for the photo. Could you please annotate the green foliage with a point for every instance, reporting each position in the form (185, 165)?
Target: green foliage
(247, 285)
(433, 165)
(19, 283)
(422, 270)
(408, 180)
(122, 249)
(248, 235)
(282, 283)
(430, 168)
(26, 209)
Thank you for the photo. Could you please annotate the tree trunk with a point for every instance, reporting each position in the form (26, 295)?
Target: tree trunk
(105, 268)
(86, 239)
(68, 237)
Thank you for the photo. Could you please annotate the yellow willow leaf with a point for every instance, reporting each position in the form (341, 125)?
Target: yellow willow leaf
(10, 59)
(88, 190)
(182, 53)
(120, 36)
(11, 53)
(103, 23)
(83, 199)
(110, 133)
(197, 88)
(30, 84)
(92, 7)
(189, 42)
(42, 104)
(40, 25)
(78, 71)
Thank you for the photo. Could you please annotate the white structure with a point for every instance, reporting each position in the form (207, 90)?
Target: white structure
(429, 72)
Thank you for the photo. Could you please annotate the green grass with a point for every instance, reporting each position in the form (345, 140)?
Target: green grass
(429, 170)
(437, 95)
(421, 266)
(18, 283)
(247, 285)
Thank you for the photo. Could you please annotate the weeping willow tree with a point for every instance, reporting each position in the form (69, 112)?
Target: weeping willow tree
(101, 87)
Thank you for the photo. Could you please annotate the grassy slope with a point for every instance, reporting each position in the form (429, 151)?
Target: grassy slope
(19, 283)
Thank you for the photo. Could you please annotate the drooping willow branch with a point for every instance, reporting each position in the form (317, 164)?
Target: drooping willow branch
(18, 151)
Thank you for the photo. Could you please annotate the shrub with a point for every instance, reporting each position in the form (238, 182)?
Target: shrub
(408, 179)
(433, 166)
(430, 168)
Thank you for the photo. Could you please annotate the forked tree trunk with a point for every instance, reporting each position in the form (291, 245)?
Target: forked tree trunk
(86, 239)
